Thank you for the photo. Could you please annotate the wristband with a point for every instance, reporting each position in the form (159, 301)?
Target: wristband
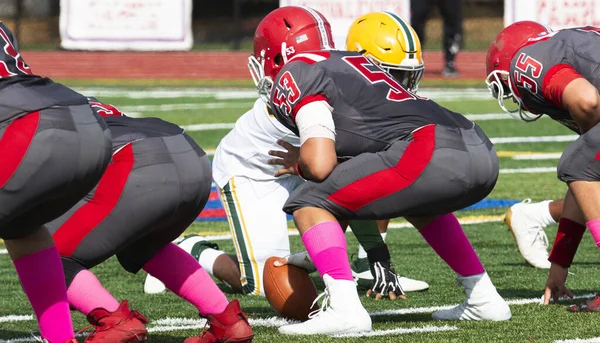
(299, 171)
(380, 253)
(566, 243)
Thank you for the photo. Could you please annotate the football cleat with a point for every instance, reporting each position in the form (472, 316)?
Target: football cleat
(483, 302)
(193, 245)
(120, 326)
(73, 340)
(592, 305)
(340, 312)
(231, 325)
(361, 272)
(529, 234)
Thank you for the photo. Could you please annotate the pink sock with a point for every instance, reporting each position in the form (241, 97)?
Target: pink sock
(594, 227)
(86, 294)
(448, 240)
(326, 246)
(43, 280)
(183, 275)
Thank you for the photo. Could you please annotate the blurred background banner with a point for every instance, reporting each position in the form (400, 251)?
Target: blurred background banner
(557, 14)
(150, 25)
(341, 13)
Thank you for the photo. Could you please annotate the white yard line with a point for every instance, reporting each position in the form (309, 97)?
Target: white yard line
(208, 127)
(533, 139)
(532, 170)
(580, 340)
(438, 94)
(399, 331)
(538, 156)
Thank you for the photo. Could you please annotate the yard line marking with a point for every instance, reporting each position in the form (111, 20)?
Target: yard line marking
(580, 340)
(540, 156)
(441, 94)
(190, 106)
(533, 139)
(528, 170)
(208, 127)
(398, 331)
(15, 318)
(513, 302)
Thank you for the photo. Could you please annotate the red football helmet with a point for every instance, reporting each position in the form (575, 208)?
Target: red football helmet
(283, 33)
(498, 60)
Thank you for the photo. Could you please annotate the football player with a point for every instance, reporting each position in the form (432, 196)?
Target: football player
(157, 183)
(555, 73)
(527, 221)
(253, 194)
(53, 150)
(369, 149)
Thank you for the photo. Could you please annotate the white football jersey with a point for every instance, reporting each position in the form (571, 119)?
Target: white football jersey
(244, 151)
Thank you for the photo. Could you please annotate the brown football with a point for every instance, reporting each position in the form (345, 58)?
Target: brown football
(289, 290)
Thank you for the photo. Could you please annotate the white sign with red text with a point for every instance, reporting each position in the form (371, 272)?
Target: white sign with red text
(558, 14)
(150, 25)
(341, 13)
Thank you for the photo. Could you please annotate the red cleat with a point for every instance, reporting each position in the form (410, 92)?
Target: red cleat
(592, 305)
(230, 325)
(121, 326)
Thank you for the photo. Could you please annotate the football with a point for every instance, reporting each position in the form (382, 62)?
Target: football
(289, 290)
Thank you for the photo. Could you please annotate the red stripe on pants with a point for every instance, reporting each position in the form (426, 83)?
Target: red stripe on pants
(386, 182)
(14, 144)
(93, 212)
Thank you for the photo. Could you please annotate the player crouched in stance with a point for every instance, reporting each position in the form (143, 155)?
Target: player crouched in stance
(556, 73)
(403, 156)
(53, 150)
(253, 195)
(157, 183)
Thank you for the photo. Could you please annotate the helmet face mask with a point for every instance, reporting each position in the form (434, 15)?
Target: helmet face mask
(498, 61)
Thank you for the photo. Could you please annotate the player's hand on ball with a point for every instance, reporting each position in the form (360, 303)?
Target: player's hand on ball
(287, 159)
(298, 259)
(555, 286)
(385, 282)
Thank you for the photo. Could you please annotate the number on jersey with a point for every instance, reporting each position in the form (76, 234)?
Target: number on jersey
(526, 64)
(106, 110)
(375, 74)
(13, 64)
(289, 93)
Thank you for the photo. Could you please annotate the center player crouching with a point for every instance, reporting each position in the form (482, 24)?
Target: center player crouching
(405, 156)
(157, 183)
(253, 196)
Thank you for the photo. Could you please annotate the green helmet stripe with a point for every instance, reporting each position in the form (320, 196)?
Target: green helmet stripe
(408, 33)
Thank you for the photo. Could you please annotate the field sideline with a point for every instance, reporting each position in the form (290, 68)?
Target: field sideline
(528, 156)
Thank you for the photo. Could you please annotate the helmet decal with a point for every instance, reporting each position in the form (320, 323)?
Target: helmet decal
(321, 27)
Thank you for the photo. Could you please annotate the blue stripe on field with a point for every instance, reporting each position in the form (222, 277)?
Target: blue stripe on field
(482, 205)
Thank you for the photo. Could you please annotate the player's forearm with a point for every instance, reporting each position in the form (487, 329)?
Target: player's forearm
(317, 158)
(583, 102)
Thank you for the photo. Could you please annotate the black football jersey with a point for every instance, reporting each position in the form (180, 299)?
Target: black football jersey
(126, 129)
(21, 91)
(575, 47)
(371, 109)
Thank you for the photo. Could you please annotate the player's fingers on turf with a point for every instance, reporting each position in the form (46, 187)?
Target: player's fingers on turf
(369, 293)
(392, 295)
(378, 296)
(547, 294)
(565, 292)
(280, 262)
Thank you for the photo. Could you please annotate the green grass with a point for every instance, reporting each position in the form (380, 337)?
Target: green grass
(494, 244)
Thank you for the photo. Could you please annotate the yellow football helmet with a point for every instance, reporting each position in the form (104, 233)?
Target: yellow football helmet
(390, 42)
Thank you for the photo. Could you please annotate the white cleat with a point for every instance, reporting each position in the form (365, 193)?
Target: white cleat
(529, 233)
(412, 285)
(483, 302)
(153, 285)
(341, 312)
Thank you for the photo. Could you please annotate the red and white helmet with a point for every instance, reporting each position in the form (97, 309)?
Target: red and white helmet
(282, 34)
(498, 60)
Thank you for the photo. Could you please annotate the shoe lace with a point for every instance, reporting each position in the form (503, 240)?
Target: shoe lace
(91, 334)
(323, 306)
(540, 237)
